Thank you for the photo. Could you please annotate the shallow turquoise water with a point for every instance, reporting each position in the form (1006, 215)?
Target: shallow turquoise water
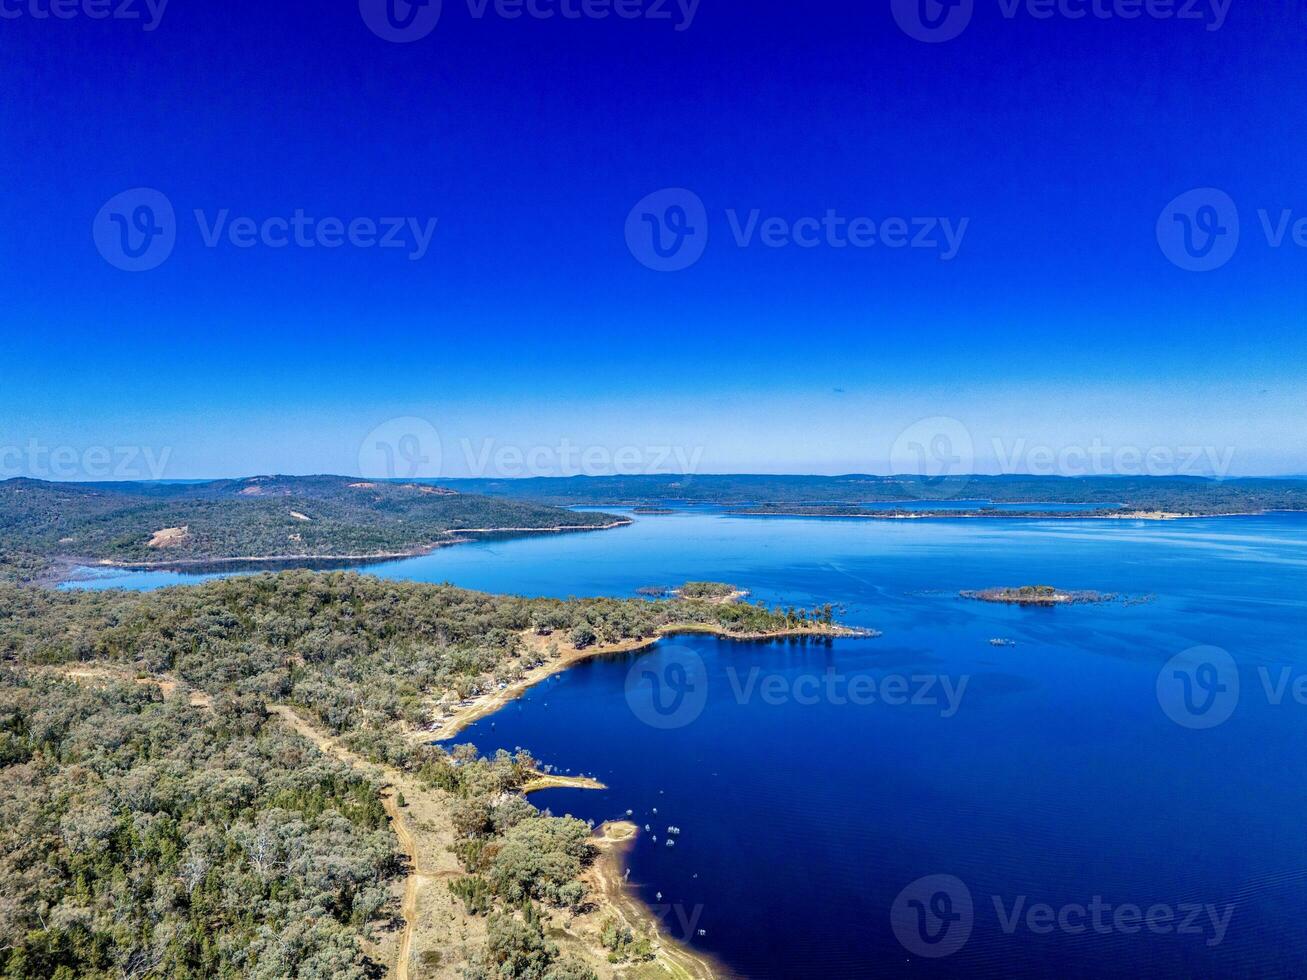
(1056, 770)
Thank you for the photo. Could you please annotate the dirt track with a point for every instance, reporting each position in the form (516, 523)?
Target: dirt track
(418, 876)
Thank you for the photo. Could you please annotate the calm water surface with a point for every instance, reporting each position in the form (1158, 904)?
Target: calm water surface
(809, 796)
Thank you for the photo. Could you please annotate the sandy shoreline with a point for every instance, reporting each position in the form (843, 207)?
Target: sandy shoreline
(549, 780)
(426, 837)
(607, 876)
(473, 709)
(1136, 515)
(607, 880)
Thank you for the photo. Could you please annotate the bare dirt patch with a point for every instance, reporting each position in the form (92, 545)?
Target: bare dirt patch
(169, 537)
(553, 781)
(115, 675)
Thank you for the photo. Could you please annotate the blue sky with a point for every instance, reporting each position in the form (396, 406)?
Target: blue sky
(527, 320)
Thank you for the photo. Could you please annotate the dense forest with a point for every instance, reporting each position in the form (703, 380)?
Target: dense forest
(148, 838)
(151, 836)
(356, 651)
(256, 517)
(842, 494)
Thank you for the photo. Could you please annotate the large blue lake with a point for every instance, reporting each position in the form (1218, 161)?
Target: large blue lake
(927, 803)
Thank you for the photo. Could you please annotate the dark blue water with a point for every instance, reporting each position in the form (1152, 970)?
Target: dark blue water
(1056, 775)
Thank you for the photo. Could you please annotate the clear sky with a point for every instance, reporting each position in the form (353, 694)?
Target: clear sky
(530, 318)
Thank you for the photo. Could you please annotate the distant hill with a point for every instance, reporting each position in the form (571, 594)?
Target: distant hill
(1175, 494)
(257, 517)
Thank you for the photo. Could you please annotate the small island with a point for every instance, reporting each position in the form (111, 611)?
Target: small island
(703, 591)
(1037, 595)
(710, 591)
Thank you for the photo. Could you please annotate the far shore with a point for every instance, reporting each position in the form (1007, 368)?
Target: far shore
(927, 515)
(376, 556)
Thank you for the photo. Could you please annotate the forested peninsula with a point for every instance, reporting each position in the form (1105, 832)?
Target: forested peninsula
(46, 527)
(228, 779)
